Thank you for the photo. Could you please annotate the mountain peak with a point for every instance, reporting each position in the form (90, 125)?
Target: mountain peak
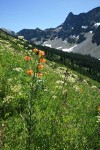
(38, 29)
(70, 15)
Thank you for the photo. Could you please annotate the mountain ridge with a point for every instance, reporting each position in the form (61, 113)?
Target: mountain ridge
(71, 35)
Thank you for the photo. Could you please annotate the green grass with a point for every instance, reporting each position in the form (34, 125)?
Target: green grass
(55, 112)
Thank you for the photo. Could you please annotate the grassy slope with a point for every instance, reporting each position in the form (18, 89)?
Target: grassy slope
(64, 109)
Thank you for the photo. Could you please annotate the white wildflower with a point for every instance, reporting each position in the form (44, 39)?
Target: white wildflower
(74, 76)
(14, 40)
(16, 88)
(45, 90)
(71, 79)
(93, 87)
(7, 42)
(26, 47)
(58, 87)
(22, 46)
(63, 76)
(21, 37)
(64, 92)
(85, 82)
(30, 50)
(8, 99)
(24, 40)
(98, 119)
(60, 82)
(9, 80)
(77, 89)
(62, 68)
(54, 96)
(39, 80)
(18, 69)
(30, 45)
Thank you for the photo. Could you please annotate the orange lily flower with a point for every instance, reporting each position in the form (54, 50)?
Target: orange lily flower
(41, 53)
(40, 74)
(42, 60)
(98, 108)
(27, 58)
(40, 67)
(29, 72)
(35, 50)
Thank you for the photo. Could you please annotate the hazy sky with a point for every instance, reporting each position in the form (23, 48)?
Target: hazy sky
(19, 14)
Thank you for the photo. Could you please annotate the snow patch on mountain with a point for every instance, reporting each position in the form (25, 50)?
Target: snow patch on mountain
(58, 29)
(97, 24)
(77, 37)
(69, 49)
(84, 27)
(65, 41)
(59, 47)
(73, 36)
(48, 45)
(91, 32)
(45, 42)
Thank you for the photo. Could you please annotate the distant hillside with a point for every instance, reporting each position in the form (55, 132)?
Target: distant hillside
(10, 32)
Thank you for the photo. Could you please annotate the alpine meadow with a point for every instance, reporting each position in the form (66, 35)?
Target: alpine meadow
(46, 104)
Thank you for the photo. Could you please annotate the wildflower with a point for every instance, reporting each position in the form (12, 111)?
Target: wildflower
(2, 124)
(30, 45)
(98, 119)
(58, 87)
(39, 80)
(27, 58)
(54, 96)
(42, 60)
(45, 90)
(74, 76)
(40, 67)
(93, 87)
(10, 80)
(18, 69)
(81, 90)
(21, 37)
(29, 72)
(71, 79)
(40, 74)
(85, 82)
(77, 89)
(64, 92)
(98, 108)
(7, 99)
(60, 82)
(35, 50)
(41, 53)
(16, 88)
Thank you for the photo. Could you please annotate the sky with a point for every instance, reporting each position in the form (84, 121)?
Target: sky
(30, 14)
